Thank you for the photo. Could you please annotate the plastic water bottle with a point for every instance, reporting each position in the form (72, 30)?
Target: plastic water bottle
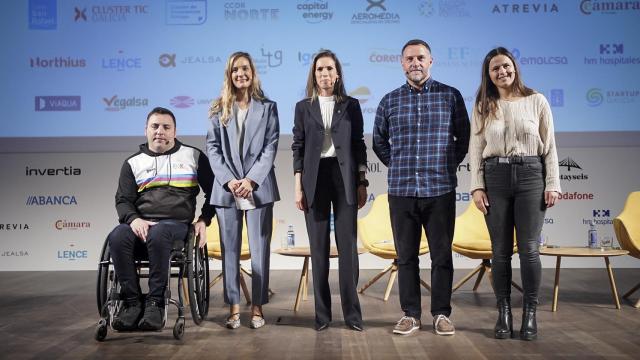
(291, 237)
(592, 236)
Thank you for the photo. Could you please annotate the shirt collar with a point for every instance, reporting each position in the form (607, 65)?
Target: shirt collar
(425, 86)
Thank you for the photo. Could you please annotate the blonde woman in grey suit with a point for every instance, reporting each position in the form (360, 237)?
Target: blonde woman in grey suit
(241, 145)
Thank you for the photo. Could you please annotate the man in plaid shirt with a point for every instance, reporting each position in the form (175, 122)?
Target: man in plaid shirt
(421, 134)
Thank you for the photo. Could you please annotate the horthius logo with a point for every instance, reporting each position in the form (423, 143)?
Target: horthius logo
(43, 200)
(57, 62)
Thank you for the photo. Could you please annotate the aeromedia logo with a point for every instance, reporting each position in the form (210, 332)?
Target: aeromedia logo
(63, 171)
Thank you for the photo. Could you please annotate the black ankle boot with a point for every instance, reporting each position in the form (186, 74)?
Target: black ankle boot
(529, 329)
(504, 325)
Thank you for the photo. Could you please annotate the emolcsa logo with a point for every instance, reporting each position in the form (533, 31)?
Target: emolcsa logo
(47, 200)
(115, 103)
(573, 171)
(71, 225)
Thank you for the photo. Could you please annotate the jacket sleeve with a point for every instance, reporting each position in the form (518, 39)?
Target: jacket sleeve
(298, 139)
(264, 163)
(214, 152)
(205, 179)
(126, 195)
(358, 147)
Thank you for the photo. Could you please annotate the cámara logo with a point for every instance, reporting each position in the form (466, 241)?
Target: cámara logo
(588, 7)
(71, 225)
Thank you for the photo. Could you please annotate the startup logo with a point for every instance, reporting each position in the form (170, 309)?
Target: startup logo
(121, 62)
(71, 225)
(43, 14)
(314, 11)
(64, 171)
(57, 103)
(45, 200)
(588, 7)
(108, 13)
(539, 59)
(599, 217)
(446, 8)
(526, 8)
(596, 96)
(186, 12)
(115, 103)
(568, 164)
(612, 54)
(14, 226)
(57, 62)
(239, 11)
(375, 13)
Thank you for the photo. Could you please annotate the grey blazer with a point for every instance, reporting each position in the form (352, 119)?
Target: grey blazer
(262, 132)
(347, 136)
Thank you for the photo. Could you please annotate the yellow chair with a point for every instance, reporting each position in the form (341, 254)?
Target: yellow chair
(471, 239)
(377, 238)
(627, 228)
(215, 251)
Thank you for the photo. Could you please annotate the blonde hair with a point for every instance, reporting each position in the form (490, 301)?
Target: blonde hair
(223, 105)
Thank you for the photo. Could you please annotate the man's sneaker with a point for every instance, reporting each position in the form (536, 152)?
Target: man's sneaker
(128, 316)
(407, 325)
(443, 326)
(153, 315)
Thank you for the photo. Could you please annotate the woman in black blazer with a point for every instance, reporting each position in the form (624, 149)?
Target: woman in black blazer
(329, 162)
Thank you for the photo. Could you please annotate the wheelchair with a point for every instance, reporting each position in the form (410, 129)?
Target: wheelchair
(187, 261)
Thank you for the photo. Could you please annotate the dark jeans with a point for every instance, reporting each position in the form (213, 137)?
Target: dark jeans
(516, 199)
(437, 216)
(125, 247)
(330, 191)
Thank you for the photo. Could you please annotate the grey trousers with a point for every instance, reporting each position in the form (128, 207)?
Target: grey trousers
(259, 228)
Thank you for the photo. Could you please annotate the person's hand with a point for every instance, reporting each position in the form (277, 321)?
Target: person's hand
(481, 200)
(233, 185)
(301, 202)
(201, 233)
(550, 198)
(244, 188)
(140, 227)
(362, 196)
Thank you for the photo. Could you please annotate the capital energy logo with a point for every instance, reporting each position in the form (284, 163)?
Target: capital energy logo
(314, 11)
(71, 225)
(182, 102)
(244, 11)
(122, 62)
(63, 171)
(57, 103)
(115, 103)
(49, 200)
(588, 7)
(375, 13)
(186, 12)
(109, 13)
(536, 59)
(14, 226)
(43, 14)
(569, 173)
(526, 8)
(57, 62)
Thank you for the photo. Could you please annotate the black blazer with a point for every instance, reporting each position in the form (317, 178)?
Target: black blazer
(348, 140)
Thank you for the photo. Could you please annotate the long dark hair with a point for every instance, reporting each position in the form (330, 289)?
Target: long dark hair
(312, 86)
(487, 95)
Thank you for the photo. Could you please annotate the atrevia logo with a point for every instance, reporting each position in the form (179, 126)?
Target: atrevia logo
(182, 102)
(568, 163)
(190, 12)
(588, 7)
(539, 60)
(44, 200)
(13, 227)
(43, 14)
(71, 225)
(594, 97)
(537, 7)
(239, 11)
(375, 13)
(314, 11)
(57, 62)
(72, 254)
(121, 62)
(114, 103)
(64, 171)
(57, 103)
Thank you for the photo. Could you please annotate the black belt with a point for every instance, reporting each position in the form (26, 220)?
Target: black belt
(513, 159)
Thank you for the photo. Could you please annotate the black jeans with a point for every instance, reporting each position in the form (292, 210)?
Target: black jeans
(437, 215)
(516, 199)
(125, 247)
(330, 190)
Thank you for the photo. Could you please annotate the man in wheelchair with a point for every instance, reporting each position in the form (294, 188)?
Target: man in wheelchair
(156, 202)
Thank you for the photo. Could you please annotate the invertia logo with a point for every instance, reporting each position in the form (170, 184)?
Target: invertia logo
(71, 225)
(116, 104)
(65, 171)
(13, 227)
(44, 200)
(57, 62)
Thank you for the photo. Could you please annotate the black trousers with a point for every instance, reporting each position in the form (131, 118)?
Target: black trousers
(437, 215)
(125, 247)
(330, 190)
(516, 199)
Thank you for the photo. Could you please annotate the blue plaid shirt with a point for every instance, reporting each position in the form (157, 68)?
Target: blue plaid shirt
(421, 136)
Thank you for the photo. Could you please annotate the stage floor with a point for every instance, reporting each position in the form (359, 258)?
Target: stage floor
(53, 315)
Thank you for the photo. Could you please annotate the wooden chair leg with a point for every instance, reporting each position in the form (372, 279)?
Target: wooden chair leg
(483, 270)
(516, 286)
(392, 278)
(467, 277)
(376, 278)
(634, 289)
(215, 280)
(426, 286)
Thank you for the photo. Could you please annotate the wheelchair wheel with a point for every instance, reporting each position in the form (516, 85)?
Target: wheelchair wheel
(198, 281)
(103, 277)
(178, 329)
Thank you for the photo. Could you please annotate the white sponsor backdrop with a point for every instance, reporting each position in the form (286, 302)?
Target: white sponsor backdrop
(58, 219)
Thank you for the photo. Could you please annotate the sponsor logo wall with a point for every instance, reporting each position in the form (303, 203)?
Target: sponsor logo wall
(72, 210)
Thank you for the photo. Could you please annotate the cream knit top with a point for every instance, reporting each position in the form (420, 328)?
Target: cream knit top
(521, 127)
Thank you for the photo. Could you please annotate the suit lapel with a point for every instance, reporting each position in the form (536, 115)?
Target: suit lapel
(316, 114)
(232, 134)
(339, 111)
(252, 123)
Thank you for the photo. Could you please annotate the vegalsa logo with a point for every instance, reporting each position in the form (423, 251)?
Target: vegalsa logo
(17, 253)
(114, 103)
(71, 225)
(44, 200)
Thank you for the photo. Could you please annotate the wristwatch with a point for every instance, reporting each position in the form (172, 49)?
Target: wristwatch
(363, 182)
